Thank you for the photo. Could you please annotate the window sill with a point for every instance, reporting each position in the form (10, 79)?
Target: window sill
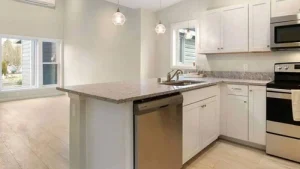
(183, 67)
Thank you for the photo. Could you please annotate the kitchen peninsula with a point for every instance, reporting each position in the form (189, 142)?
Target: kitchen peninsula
(101, 117)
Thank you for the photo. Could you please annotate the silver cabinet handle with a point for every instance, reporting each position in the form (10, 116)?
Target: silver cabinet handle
(268, 46)
(236, 88)
(250, 90)
(245, 101)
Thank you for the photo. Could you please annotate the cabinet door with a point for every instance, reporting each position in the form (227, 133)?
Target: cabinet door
(257, 114)
(209, 121)
(210, 32)
(259, 26)
(191, 131)
(285, 7)
(235, 29)
(237, 117)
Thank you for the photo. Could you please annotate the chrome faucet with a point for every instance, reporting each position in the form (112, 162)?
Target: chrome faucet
(177, 73)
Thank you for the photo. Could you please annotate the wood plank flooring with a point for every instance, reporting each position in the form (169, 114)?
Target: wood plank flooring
(34, 134)
(227, 155)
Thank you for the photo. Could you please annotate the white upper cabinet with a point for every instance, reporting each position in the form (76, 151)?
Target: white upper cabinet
(285, 7)
(235, 29)
(257, 114)
(259, 26)
(225, 30)
(210, 32)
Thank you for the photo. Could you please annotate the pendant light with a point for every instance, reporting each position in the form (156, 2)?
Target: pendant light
(189, 34)
(160, 28)
(118, 18)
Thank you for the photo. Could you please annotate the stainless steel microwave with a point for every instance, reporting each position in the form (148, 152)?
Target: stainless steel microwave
(285, 32)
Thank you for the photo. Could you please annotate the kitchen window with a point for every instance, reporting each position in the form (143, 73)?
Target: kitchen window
(28, 63)
(184, 40)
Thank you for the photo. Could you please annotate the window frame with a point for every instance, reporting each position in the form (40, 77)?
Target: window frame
(57, 62)
(175, 64)
(37, 64)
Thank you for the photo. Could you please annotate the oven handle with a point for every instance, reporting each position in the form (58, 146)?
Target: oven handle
(285, 96)
(278, 90)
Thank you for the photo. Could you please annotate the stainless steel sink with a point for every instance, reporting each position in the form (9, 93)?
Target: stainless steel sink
(182, 83)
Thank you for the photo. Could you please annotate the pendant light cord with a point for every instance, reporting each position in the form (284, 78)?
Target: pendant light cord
(159, 9)
(160, 5)
(118, 6)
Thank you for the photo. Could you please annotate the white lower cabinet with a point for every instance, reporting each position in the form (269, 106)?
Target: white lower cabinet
(191, 131)
(209, 121)
(244, 115)
(200, 122)
(257, 114)
(237, 117)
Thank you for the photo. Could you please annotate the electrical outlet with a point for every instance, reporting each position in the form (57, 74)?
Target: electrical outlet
(245, 66)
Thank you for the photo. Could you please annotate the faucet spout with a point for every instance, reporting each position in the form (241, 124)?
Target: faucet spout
(177, 73)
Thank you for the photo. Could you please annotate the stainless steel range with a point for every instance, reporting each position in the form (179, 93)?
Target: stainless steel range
(283, 133)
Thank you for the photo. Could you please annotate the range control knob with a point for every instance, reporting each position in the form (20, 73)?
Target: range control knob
(279, 67)
(286, 68)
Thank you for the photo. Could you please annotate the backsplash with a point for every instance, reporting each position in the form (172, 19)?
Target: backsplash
(241, 75)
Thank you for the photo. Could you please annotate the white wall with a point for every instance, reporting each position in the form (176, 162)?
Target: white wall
(217, 62)
(95, 49)
(23, 19)
(148, 37)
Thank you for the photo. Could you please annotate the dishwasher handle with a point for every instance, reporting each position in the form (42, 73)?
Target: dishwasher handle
(146, 107)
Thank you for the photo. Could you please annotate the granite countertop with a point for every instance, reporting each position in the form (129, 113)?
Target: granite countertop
(121, 92)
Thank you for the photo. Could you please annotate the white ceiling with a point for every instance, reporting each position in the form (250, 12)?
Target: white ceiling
(146, 4)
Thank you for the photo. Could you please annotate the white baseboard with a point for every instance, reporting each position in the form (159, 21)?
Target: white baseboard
(6, 96)
(245, 143)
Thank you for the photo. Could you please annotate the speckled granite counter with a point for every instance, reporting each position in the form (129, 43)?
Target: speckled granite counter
(121, 92)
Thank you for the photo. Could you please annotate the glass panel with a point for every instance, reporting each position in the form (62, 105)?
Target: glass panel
(280, 110)
(49, 52)
(16, 62)
(287, 34)
(49, 74)
(186, 48)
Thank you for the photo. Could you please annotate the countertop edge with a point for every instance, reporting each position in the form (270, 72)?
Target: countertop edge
(263, 83)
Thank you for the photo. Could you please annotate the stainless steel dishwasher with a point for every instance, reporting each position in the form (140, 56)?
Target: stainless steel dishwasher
(158, 133)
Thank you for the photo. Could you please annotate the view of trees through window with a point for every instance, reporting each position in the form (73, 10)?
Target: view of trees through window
(11, 62)
(23, 67)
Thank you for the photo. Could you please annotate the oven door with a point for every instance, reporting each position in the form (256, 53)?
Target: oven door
(285, 34)
(279, 106)
(280, 114)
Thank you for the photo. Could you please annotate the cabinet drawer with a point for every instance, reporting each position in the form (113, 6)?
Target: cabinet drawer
(200, 94)
(238, 90)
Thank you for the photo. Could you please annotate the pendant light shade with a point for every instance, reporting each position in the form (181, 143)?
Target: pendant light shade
(160, 28)
(189, 34)
(118, 18)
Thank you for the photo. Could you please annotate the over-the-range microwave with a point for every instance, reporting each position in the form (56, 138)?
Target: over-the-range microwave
(285, 32)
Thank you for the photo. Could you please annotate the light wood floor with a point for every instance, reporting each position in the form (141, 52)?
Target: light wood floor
(226, 155)
(34, 134)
